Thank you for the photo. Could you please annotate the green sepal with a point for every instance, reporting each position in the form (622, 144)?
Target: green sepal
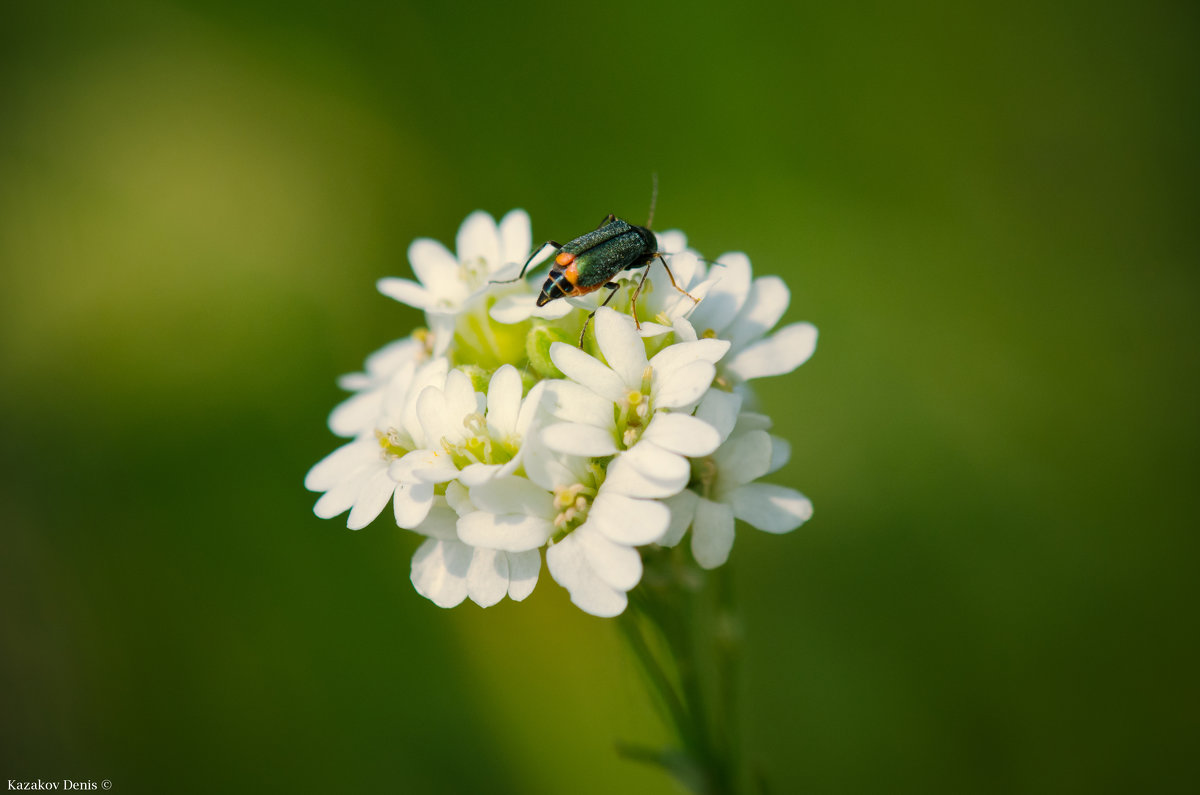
(479, 376)
(537, 348)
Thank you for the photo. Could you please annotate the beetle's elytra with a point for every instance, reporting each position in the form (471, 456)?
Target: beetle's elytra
(590, 261)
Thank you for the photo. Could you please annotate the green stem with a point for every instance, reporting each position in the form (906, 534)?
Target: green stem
(659, 681)
(693, 673)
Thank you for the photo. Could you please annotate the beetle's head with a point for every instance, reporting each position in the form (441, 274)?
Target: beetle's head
(649, 241)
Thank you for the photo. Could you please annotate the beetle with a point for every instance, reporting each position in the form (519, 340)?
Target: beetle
(592, 260)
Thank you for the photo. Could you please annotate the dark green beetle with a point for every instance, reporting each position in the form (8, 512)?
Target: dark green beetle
(590, 262)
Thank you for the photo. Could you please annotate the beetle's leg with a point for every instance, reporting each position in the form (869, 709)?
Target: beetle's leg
(608, 219)
(525, 267)
(671, 276)
(636, 293)
(612, 290)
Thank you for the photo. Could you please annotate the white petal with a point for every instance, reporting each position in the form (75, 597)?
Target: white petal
(682, 434)
(578, 439)
(649, 330)
(355, 382)
(412, 502)
(781, 453)
(616, 564)
(475, 474)
(570, 568)
(712, 533)
(679, 370)
(684, 386)
(648, 471)
(513, 308)
(725, 299)
(513, 495)
(627, 520)
(478, 239)
(370, 501)
(405, 291)
(342, 496)
(671, 241)
(681, 354)
(523, 569)
(335, 467)
(780, 353)
(574, 402)
(459, 499)
(461, 401)
(441, 468)
(743, 458)
(683, 330)
(516, 238)
(507, 274)
(533, 403)
(720, 410)
(683, 509)
(439, 571)
(391, 357)
(775, 509)
(766, 304)
(441, 329)
(512, 532)
(441, 523)
(751, 421)
(357, 413)
(405, 404)
(588, 371)
(435, 267)
(621, 346)
(543, 466)
(504, 401)
(487, 577)
(553, 310)
(433, 417)
(426, 466)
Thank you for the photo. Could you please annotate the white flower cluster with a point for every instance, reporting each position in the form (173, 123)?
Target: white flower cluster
(494, 435)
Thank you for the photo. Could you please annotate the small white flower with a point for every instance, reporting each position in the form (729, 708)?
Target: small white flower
(471, 436)
(723, 486)
(358, 413)
(446, 570)
(618, 409)
(595, 528)
(743, 312)
(359, 475)
(598, 563)
(447, 284)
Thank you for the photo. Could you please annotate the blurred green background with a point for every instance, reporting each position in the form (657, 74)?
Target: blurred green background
(990, 212)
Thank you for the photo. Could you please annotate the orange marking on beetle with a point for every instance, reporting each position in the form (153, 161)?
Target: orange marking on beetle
(570, 271)
(564, 258)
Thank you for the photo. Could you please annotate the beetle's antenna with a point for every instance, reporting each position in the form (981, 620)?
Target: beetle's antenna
(697, 256)
(653, 197)
(528, 262)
